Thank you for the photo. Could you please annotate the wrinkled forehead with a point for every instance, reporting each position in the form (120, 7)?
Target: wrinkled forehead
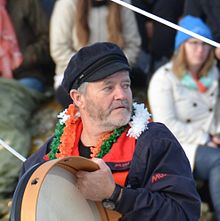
(117, 76)
(114, 79)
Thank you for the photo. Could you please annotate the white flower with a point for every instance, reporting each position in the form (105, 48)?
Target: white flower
(139, 121)
(63, 117)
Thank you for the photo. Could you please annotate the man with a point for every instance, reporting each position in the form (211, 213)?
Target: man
(144, 173)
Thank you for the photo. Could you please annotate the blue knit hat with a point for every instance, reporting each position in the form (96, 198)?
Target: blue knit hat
(193, 24)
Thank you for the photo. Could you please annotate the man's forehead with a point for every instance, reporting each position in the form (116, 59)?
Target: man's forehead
(121, 74)
(114, 78)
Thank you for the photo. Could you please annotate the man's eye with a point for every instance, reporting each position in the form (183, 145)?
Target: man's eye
(125, 86)
(109, 88)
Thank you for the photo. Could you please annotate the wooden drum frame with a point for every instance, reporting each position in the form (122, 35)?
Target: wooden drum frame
(47, 192)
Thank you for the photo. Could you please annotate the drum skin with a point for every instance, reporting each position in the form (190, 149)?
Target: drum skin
(47, 192)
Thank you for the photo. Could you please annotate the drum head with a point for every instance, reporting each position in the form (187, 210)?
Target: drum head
(48, 192)
(59, 199)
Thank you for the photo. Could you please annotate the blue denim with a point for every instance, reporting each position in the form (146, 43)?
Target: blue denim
(32, 83)
(207, 167)
(48, 6)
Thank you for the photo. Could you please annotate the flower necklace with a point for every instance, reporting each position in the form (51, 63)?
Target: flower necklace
(69, 120)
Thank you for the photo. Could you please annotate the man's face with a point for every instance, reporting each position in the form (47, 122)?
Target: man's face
(109, 102)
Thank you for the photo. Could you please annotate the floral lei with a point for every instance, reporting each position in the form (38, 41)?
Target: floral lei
(65, 132)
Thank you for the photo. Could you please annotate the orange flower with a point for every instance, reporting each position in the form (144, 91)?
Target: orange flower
(95, 150)
(68, 137)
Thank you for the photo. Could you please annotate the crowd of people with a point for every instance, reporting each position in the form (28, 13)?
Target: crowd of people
(44, 47)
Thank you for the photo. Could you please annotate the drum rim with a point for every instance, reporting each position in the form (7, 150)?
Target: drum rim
(15, 214)
(72, 164)
(35, 171)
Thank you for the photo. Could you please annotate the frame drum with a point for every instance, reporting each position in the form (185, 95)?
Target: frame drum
(47, 192)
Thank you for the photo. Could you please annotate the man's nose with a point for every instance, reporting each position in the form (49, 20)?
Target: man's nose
(120, 93)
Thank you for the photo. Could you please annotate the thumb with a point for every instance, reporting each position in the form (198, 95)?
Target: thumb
(100, 162)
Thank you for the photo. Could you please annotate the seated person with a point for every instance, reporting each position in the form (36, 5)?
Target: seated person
(77, 23)
(26, 70)
(183, 94)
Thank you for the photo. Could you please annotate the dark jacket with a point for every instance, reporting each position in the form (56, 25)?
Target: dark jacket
(207, 10)
(31, 26)
(159, 186)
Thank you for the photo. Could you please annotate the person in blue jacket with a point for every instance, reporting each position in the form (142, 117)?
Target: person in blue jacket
(144, 173)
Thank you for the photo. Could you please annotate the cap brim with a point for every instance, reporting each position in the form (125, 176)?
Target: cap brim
(107, 70)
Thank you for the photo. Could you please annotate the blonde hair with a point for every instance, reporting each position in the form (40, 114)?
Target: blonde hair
(114, 24)
(180, 65)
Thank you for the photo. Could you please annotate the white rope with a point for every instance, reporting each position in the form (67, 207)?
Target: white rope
(168, 23)
(11, 150)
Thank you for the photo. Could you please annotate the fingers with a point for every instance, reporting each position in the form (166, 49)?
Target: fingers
(100, 162)
(216, 140)
(102, 166)
(91, 183)
(81, 174)
(212, 144)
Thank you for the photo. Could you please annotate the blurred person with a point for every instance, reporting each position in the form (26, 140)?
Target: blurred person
(209, 12)
(144, 173)
(26, 70)
(77, 23)
(30, 26)
(184, 95)
(158, 39)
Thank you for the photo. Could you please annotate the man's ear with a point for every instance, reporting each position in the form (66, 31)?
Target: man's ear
(76, 97)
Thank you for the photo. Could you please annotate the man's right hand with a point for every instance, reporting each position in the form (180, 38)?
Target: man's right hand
(97, 185)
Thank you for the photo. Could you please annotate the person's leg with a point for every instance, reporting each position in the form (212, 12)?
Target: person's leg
(32, 83)
(193, 7)
(162, 43)
(141, 23)
(48, 6)
(207, 167)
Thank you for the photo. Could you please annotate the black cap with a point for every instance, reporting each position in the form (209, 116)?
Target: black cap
(93, 63)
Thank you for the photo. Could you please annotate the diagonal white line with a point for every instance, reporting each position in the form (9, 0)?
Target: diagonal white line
(11, 150)
(168, 23)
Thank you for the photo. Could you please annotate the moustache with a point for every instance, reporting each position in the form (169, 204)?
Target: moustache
(120, 104)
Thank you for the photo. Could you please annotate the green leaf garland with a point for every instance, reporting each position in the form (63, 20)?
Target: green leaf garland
(107, 144)
(56, 140)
